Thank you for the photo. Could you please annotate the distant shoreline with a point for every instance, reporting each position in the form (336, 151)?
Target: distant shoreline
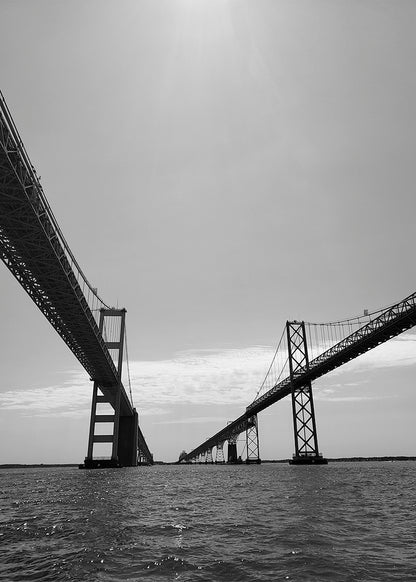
(354, 459)
(334, 460)
(36, 465)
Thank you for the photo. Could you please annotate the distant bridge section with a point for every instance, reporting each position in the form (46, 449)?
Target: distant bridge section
(387, 324)
(391, 323)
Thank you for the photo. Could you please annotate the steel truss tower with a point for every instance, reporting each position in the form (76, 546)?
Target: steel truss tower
(124, 434)
(232, 449)
(219, 457)
(252, 441)
(304, 425)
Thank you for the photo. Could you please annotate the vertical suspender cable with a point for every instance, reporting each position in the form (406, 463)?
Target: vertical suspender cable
(128, 366)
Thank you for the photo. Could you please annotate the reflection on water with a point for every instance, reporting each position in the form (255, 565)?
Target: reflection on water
(340, 522)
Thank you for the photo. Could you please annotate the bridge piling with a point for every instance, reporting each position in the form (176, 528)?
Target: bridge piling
(232, 450)
(127, 440)
(208, 458)
(124, 437)
(219, 456)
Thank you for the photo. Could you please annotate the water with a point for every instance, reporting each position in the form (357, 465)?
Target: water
(341, 522)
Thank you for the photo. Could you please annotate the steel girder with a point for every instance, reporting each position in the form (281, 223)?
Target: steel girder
(36, 253)
(232, 430)
(391, 323)
(31, 249)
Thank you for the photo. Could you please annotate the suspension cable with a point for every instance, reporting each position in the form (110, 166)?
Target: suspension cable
(128, 365)
(271, 364)
(36, 182)
(355, 318)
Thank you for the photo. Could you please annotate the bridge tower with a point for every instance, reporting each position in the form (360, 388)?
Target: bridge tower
(252, 441)
(232, 449)
(208, 457)
(304, 424)
(124, 436)
(219, 457)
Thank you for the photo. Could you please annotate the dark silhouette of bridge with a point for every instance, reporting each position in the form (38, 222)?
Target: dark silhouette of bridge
(295, 349)
(35, 251)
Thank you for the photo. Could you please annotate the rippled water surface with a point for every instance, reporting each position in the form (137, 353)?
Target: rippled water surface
(341, 522)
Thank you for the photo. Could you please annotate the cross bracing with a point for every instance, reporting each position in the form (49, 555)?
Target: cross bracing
(392, 322)
(386, 324)
(35, 251)
(241, 424)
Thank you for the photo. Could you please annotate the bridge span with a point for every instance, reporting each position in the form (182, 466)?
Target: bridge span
(302, 370)
(35, 251)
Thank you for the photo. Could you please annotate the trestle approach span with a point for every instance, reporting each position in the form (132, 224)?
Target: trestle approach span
(385, 324)
(35, 251)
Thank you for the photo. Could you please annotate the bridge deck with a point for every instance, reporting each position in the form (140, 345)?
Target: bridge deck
(31, 248)
(389, 324)
(392, 322)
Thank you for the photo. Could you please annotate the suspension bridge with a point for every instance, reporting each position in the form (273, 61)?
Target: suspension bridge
(35, 251)
(305, 352)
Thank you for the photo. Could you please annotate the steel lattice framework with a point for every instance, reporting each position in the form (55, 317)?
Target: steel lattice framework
(252, 441)
(36, 253)
(306, 439)
(232, 430)
(390, 323)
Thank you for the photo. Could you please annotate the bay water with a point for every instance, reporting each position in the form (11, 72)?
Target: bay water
(347, 521)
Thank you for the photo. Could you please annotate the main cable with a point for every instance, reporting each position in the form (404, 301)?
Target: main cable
(270, 367)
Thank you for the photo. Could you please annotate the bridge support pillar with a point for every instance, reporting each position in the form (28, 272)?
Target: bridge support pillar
(91, 462)
(201, 458)
(208, 458)
(219, 456)
(141, 458)
(232, 450)
(127, 440)
(252, 441)
(304, 424)
(125, 430)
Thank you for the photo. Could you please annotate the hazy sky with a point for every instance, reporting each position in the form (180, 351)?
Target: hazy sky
(217, 167)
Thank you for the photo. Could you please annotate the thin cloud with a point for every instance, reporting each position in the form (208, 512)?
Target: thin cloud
(194, 420)
(356, 398)
(397, 352)
(69, 399)
(199, 378)
(195, 377)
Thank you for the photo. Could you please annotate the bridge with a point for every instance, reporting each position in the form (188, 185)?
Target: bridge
(35, 251)
(305, 352)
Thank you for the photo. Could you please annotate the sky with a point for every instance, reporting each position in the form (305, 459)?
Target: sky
(217, 167)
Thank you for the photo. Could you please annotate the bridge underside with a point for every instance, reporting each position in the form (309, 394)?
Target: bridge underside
(34, 250)
(389, 324)
(31, 251)
(126, 454)
(244, 424)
